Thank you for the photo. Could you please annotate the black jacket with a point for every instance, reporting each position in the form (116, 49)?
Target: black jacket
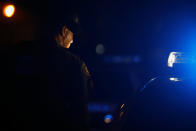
(45, 88)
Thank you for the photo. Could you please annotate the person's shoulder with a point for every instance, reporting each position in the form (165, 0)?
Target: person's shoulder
(74, 57)
(80, 62)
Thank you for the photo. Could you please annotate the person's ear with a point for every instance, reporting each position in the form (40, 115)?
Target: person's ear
(64, 31)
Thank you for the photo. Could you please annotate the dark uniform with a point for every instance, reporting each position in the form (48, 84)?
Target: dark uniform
(45, 89)
(72, 78)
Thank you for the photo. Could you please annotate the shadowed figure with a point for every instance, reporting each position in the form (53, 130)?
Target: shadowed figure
(44, 87)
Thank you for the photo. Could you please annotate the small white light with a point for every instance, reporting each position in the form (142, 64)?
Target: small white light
(171, 59)
(174, 79)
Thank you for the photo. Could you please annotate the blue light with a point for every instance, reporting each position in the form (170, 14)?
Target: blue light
(183, 64)
(108, 118)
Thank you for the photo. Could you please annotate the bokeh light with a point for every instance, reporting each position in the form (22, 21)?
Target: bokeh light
(108, 119)
(100, 49)
(9, 10)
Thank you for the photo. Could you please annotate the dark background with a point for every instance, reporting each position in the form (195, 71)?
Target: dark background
(137, 36)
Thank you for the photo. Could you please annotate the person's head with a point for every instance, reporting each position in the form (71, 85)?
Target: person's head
(65, 38)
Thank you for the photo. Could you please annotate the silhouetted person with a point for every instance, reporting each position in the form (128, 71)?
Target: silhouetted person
(44, 87)
(75, 75)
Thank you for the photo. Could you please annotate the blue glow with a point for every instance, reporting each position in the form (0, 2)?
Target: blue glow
(108, 118)
(183, 63)
(122, 59)
(95, 107)
(181, 37)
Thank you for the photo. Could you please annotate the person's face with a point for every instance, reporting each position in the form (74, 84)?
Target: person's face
(69, 44)
(67, 35)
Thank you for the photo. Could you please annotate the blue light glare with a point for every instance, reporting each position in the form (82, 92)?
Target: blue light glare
(183, 63)
(183, 39)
